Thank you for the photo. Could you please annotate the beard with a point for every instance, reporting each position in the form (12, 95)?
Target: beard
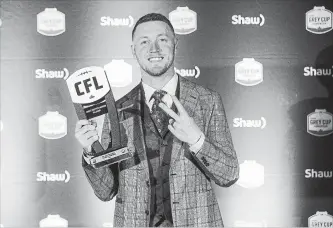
(157, 71)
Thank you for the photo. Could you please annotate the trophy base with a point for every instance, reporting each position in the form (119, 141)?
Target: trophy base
(110, 157)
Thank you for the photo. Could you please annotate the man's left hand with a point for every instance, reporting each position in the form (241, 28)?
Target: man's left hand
(182, 125)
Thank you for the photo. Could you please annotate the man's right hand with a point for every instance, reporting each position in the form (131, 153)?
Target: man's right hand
(86, 133)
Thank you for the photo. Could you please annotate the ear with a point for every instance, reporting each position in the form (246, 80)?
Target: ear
(133, 50)
(176, 43)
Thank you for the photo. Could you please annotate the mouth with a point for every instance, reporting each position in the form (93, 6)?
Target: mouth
(155, 59)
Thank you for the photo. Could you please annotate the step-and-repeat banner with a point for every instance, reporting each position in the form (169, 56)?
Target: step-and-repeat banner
(271, 61)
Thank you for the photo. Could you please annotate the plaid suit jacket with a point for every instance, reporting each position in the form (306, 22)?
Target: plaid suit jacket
(193, 200)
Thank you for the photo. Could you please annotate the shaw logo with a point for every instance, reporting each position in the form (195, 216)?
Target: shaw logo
(51, 22)
(320, 219)
(240, 20)
(42, 73)
(319, 20)
(189, 72)
(310, 71)
(109, 21)
(239, 122)
(43, 176)
(311, 173)
(320, 123)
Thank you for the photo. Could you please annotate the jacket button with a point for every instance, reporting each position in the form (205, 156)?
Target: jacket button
(147, 212)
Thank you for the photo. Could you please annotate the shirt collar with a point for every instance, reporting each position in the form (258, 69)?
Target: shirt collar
(170, 87)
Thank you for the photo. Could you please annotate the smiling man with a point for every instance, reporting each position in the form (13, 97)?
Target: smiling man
(179, 133)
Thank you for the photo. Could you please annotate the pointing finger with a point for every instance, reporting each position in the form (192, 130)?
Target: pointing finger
(179, 106)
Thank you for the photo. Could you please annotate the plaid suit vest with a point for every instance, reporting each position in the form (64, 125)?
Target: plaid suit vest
(159, 157)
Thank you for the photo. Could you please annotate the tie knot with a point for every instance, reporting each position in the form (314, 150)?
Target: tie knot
(158, 95)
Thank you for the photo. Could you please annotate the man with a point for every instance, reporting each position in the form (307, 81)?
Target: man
(180, 137)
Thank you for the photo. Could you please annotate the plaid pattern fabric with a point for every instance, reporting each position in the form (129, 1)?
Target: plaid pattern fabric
(159, 117)
(193, 201)
(158, 155)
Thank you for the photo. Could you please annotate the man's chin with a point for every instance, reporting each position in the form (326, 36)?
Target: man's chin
(156, 73)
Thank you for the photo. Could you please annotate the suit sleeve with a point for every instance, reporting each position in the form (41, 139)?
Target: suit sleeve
(104, 181)
(217, 156)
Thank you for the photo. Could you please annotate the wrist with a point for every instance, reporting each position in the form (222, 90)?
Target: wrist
(88, 151)
(191, 144)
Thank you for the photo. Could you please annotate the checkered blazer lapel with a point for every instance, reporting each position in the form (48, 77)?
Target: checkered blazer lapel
(188, 98)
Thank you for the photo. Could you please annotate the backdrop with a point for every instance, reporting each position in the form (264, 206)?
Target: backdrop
(271, 61)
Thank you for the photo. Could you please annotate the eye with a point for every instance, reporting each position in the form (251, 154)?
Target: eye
(164, 39)
(144, 42)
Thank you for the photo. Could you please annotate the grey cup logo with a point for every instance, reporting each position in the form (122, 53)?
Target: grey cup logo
(249, 72)
(184, 20)
(239, 122)
(42, 73)
(240, 20)
(45, 177)
(117, 22)
(311, 71)
(320, 220)
(189, 72)
(51, 22)
(319, 123)
(319, 20)
(311, 173)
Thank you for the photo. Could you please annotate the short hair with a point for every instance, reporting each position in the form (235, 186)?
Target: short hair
(152, 17)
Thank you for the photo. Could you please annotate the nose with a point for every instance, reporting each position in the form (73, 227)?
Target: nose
(154, 47)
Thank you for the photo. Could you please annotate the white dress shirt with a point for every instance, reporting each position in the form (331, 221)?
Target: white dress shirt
(170, 88)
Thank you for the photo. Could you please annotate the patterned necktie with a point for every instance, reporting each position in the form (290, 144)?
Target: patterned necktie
(159, 117)
(106, 138)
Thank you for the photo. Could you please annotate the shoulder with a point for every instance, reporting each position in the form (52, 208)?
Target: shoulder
(204, 94)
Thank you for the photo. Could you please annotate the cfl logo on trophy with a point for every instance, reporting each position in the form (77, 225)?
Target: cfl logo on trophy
(52, 125)
(51, 22)
(319, 20)
(189, 72)
(183, 20)
(319, 123)
(320, 220)
(90, 84)
(240, 20)
(249, 72)
(45, 177)
(117, 22)
(311, 173)
(42, 73)
(239, 122)
(311, 71)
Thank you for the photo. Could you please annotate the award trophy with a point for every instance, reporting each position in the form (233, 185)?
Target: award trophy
(92, 97)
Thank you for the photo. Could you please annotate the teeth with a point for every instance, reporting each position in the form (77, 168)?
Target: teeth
(155, 59)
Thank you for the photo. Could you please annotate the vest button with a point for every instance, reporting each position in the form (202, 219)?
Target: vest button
(147, 182)
(147, 212)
